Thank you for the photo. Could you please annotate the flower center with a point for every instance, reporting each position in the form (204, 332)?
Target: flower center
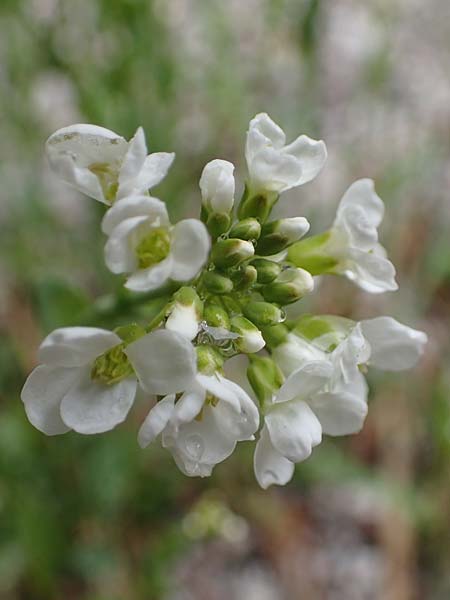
(108, 178)
(153, 248)
(112, 366)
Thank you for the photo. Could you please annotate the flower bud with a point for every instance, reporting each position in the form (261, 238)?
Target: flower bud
(218, 223)
(215, 315)
(244, 277)
(217, 186)
(217, 283)
(247, 229)
(209, 359)
(278, 235)
(251, 339)
(265, 377)
(291, 285)
(263, 313)
(186, 313)
(231, 252)
(275, 334)
(267, 270)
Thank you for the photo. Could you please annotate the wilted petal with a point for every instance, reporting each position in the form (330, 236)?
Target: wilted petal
(394, 346)
(294, 429)
(156, 420)
(42, 395)
(271, 467)
(190, 248)
(92, 407)
(75, 346)
(164, 361)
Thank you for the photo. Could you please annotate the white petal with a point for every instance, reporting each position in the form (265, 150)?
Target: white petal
(42, 394)
(184, 320)
(294, 429)
(153, 171)
(164, 361)
(90, 407)
(75, 346)
(354, 350)
(217, 185)
(156, 420)
(245, 423)
(215, 385)
(190, 248)
(145, 280)
(268, 129)
(135, 206)
(270, 466)
(188, 406)
(361, 194)
(370, 271)
(79, 178)
(191, 468)
(305, 382)
(343, 410)
(394, 345)
(311, 154)
(120, 256)
(295, 352)
(134, 158)
(274, 171)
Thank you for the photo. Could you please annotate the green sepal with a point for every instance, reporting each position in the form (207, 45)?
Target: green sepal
(218, 224)
(247, 229)
(265, 377)
(311, 254)
(257, 205)
(209, 359)
(130, 333)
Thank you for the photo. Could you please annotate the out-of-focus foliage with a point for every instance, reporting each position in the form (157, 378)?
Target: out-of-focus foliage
(99, 519)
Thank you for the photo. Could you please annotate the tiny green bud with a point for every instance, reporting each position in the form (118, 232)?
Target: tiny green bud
(267, 270)
(263, 313)
(217, 283)
(209, 359)
(231, 252)
(247, 229)
(311, 254)
(244, 277)
(251, 339)
(265, 377)
(215, 315)
(218, 223)
(291, 285)
(278, 235)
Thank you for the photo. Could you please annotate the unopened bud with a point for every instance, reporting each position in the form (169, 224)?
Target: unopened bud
(209, 359)
(247, 229)
(231, 252)
(186, 313)
(278, 235)
(275, 334)
(291, 285)
(263, 313)
(244, 277)
(265, 377)
(217, 186)
(267, 270)
(217, 283)
(251, 339)
(215, 315)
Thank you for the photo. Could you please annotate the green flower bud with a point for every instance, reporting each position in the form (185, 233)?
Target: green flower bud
(267, 270)
(278, 235)
(244, 277)
(209, 359)
(291, 285)
(248, 229)
(251, 339)
(265, 377)
(215, 315)
(231, 252)
(217, 283)
(263, 313)
(258, 205)
(275, 334)
(130, 333)
(311, 254)
(218, 223)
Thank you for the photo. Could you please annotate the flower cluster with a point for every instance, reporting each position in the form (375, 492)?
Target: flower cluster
(230, 280)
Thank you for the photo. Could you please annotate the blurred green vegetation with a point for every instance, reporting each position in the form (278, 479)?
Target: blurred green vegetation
(96, 518)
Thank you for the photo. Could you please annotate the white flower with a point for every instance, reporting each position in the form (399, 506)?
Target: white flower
(102, 164)
(143, 244)
(298, 415)
(276, 167)
(354, 240)
(202, 428)
(86, 382)
(217, 186)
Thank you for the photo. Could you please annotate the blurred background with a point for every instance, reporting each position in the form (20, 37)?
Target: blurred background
(96, 518)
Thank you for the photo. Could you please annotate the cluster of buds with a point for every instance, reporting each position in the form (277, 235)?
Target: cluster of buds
(222, 360)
